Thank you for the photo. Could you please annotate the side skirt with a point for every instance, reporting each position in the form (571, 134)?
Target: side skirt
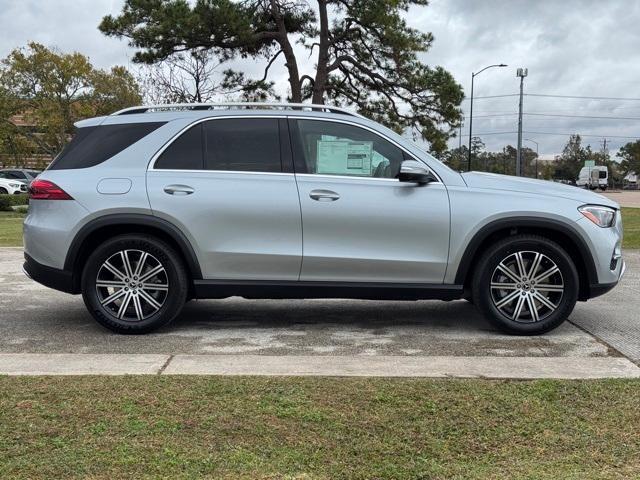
(292, 289)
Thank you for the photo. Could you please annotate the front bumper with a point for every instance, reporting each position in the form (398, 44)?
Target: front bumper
(48, 276)
(601, 288)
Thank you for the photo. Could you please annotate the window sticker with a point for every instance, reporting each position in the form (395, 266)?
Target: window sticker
(344, 157)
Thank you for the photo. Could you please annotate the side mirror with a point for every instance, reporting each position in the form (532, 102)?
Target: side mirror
(416, 172)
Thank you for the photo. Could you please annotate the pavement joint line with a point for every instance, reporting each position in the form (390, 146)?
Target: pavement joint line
(524, 368)
(603, 342)
(166, 364)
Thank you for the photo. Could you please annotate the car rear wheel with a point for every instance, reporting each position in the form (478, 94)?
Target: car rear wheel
(525, 285)
(134, 284)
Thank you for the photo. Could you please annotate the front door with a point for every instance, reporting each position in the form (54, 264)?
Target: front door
(223, 183)
(361, 224)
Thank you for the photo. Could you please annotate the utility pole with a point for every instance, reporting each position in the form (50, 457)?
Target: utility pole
(521, 72)
(604, 148)
(460, 135)
(533, 141)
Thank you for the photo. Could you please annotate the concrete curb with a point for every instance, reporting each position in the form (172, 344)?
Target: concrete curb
(348, 366)
(80, 364)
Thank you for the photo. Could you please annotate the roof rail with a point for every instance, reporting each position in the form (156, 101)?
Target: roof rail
(214, 106)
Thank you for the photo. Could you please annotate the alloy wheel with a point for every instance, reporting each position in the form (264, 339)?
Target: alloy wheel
(527, 286)
(132, 285)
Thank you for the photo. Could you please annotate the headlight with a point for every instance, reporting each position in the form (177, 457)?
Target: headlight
(602, 216)
(14, 185)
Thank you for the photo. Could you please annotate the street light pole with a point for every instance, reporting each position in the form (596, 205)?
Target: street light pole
(521, 72)
(533, 141)
(473, 75)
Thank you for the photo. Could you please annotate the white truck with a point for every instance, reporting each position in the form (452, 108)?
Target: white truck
(593, 178)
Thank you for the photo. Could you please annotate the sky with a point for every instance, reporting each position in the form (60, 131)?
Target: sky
(577, 48)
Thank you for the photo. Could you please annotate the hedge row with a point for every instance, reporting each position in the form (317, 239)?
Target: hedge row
(4, 203)
(18, 199)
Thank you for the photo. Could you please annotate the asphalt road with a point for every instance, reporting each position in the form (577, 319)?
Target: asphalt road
(35, 319)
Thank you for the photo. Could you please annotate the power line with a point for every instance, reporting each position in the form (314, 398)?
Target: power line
(555, 133)
(580, 97)
(493, 96)
(584, 97)
(532, 114)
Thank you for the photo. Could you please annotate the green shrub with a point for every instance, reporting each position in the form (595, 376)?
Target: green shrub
(19, 199)
(5, 204)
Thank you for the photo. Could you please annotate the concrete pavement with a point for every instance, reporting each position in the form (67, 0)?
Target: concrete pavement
(626, 198)
(36, 320)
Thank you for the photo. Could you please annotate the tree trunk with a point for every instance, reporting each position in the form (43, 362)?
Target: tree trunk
(289, 55)
(322, 75)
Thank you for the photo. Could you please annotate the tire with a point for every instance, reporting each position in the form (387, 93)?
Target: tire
(152, 303)
(3, 191)
(560, 288)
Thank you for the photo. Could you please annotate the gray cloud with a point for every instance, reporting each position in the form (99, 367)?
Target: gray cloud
(571, 47)
(586, 48)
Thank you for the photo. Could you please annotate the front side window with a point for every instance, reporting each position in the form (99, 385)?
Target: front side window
(332, 148)
(243, 144)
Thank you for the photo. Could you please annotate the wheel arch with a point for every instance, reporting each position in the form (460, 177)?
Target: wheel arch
(562, 233)
(100, 229)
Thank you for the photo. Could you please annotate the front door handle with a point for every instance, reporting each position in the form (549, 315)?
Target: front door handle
(324, 195)
(178, 190)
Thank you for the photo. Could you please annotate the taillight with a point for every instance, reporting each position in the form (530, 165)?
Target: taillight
(46, 190)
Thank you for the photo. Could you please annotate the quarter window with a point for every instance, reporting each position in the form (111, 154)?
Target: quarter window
(332, 148)
(243, 144)
(93, 145)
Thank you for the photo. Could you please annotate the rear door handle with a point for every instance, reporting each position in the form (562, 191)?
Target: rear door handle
(324, 195)
(178, 190)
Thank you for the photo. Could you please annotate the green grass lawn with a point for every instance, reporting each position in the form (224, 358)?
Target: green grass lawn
(11, 229)
(317, 428)
(631, 224)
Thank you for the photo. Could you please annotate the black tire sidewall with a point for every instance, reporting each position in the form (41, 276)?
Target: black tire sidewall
(176, 274)
(490, 260)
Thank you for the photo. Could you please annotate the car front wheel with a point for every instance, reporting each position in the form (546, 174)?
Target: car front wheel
(134, 284)
(525, 285)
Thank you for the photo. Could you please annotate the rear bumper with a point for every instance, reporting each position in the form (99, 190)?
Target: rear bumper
(49, 277)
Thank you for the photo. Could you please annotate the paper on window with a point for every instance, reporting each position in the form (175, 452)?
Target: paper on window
(343, 157)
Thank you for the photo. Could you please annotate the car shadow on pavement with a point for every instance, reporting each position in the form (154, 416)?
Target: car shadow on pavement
(242, 313)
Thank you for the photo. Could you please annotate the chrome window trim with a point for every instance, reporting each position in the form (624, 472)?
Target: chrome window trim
(375, 132)
(152, 162)
(175, 170)
(151, 166)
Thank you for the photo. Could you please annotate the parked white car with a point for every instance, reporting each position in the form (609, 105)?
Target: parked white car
(12, 186)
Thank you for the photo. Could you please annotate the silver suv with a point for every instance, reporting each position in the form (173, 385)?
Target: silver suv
(152, 206)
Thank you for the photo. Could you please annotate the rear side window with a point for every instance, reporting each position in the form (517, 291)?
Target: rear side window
(185, 153)
(243, 144)
(93, 145)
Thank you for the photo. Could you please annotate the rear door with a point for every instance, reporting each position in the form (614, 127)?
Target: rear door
(228, 183)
